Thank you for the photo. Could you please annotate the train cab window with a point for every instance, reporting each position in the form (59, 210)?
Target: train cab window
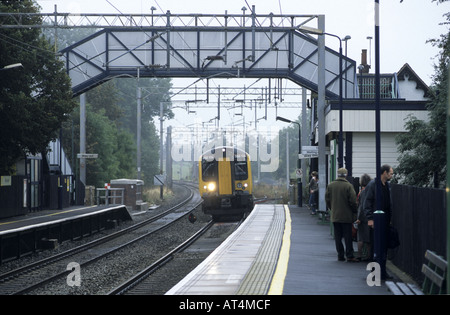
(209, 170)
(240, 170)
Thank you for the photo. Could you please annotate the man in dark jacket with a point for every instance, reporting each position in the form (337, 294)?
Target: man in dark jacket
(370, 205)
(341, 199)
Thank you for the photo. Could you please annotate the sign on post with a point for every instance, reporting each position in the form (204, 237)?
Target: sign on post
(310, 149)
(87, 155)
(159, 180)
(309, 152)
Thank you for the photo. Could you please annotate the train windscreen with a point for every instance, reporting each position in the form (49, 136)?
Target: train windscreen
(209, 169)
(240, 168)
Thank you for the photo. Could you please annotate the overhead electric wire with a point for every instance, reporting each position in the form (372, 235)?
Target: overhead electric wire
(19, 42)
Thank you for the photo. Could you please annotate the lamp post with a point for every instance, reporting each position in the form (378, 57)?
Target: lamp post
(299, 180)
(12, 66)
(346, 39)
(316, 31)
(379, 232)
(447, 190)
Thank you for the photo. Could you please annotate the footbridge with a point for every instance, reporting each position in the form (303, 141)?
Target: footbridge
(203, 46)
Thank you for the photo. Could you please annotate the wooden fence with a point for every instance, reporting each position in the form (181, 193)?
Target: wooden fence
(419, 214)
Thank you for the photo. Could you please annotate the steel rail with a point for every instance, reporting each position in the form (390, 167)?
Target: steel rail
(135, 280)
(75, 250)
(47, 261)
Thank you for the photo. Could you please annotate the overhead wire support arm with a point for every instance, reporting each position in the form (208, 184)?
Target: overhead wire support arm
(106, 20)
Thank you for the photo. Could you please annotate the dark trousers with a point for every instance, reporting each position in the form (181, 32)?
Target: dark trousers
(343, 230)
(381, 260)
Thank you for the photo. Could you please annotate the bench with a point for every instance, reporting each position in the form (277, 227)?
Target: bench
(435, 273)
(401, 288)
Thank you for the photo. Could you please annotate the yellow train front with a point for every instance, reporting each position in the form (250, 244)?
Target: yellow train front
(225, 182)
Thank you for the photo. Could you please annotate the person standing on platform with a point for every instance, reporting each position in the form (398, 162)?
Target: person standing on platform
(340, 197)
(363, 228)
(386, 172)
(313, 192)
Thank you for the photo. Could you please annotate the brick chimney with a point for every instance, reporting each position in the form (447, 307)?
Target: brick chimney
(364, 67)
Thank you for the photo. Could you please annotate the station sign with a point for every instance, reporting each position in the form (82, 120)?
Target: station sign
(87, 155)
(309, 152)
(310, 149)
(307, 156)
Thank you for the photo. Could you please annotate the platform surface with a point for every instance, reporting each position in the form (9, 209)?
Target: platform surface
(47, 216)
(245, 261)
(278, 250)
(313, 266)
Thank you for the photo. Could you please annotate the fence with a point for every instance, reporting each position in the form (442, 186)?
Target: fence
(419, 214)
(110, 196)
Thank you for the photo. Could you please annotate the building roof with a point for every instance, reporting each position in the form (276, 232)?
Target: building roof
(406, 72)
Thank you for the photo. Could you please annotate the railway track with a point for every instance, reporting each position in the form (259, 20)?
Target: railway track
(32, 277)
(141, 276)
(160, 276)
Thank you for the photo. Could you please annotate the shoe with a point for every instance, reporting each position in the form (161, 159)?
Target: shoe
(352, 259)
(341, 259)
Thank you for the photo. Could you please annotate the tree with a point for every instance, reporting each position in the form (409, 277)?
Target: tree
(422, 161)
(111, 130)
(35, 99)
(155, 91)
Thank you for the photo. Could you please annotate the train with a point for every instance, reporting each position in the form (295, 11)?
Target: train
(225, 182)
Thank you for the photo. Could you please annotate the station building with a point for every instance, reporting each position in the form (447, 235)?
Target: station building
(403, 94)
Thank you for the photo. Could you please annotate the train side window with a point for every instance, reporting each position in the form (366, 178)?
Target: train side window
(209, 170)
(240, 170)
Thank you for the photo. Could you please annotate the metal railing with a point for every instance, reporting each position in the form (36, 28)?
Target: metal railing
(388, 83)
(110, 196)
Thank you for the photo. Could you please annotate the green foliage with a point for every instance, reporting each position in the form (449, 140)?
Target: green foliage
(422, 161)
(111, 132)
(292, 130)
(100, 139)
(35, 99)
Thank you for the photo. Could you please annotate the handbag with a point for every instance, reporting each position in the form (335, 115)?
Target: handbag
(393, 238)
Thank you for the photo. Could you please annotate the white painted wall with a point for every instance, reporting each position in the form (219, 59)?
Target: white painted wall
(364, 152)
(364, 120)
(407, 90)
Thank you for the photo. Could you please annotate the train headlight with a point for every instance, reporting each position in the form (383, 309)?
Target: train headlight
(211, 186)
(239, 185)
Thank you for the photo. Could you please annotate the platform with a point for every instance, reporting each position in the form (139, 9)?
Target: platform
(244, 262)
(278, 250)
(25, 234)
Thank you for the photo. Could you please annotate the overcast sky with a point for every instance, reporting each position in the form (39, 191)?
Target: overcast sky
(405, 27)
